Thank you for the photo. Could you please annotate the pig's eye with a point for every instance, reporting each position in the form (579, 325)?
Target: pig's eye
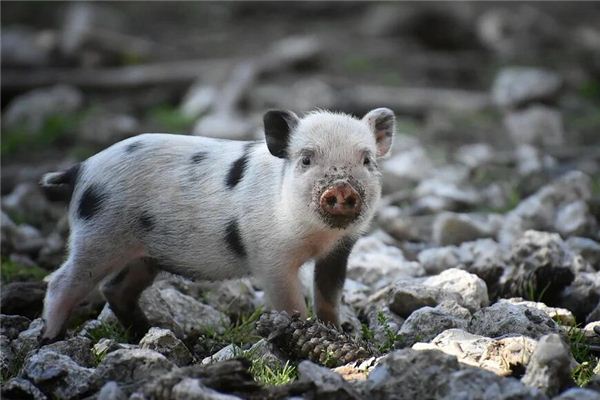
(306, 161)
(367, 161)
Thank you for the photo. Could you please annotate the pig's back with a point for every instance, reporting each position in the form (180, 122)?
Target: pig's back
(176, 195)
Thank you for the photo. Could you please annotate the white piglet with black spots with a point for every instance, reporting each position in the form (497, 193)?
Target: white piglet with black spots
(216, 209)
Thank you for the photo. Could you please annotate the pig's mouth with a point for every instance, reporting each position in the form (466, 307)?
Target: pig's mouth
(339, 201)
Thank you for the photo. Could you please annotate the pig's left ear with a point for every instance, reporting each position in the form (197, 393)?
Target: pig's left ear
(382, 124)
(278, 128)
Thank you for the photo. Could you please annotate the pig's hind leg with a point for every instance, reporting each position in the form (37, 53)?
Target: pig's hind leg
(88, 264)
(123, 291)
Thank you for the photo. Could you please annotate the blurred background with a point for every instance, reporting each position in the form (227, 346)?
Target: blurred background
(493, 100)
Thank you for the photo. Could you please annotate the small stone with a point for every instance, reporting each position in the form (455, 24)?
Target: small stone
(587, 248)
(226, 353)
(536, 125)
(516, 86)
(578, 394)
(23, 47)
(475, 155)
(327, 384)
(58, 374)
(539, 210)
(475, 383)
(573, 219)
(374, 263)
(550, 366)
(7, 356)
(504, 356)
(235, 297)
(105, 346)
(402, 225)
(560, 315)
(403, 371)
(76, 348)
(29, 338)
(102, 128)
(111, 391)
(167, 344)
(438, 259)
(180, 313)
(27, 201)
(408, 297)
(19, 388)
(426, 323)
(267, 352)
(503, 318)
(531, 160)
(400, 169)
(30, 110)
(591, 332)
(193, 389)
(131, 368)
(12, 325)
(437, 194)
(453, 228)
(358, 370)
(540, 266)
(471, 289)
(582, 296)
(594, 315)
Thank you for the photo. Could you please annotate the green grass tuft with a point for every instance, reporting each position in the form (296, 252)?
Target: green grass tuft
(171, 119)
(268, 372)
(11, 271)
(391, 337)
(240, 333)
(270, 375)
(590, 90)
(582, 353)
(55, 129)
(111, 330)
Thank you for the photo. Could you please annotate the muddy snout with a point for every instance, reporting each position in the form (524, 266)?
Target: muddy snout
(341, 200)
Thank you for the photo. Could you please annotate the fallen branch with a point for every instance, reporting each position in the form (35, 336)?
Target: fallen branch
(175, 72)
(412, 101)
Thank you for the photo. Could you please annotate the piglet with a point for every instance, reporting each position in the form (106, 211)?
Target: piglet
(217, 209)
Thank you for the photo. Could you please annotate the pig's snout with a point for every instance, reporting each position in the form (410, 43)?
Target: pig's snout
(341, 200)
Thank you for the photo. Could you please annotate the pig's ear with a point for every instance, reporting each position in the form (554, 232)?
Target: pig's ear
(278, 128)
(382, 123)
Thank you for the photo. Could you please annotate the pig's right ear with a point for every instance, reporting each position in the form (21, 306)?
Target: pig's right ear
(278, 128)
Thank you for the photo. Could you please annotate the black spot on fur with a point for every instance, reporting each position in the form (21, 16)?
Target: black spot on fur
(91, 202)
(198, 157)
(238, 167)
(233, 239)
(131, 147)
(147, 221)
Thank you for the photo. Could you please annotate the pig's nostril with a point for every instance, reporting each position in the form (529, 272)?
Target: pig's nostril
(351, 202)
(331, 201)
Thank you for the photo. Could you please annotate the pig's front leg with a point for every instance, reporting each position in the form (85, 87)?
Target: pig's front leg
(330, 274)
(283, 290)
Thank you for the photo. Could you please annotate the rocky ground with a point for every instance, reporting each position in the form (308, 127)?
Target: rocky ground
(480, 278)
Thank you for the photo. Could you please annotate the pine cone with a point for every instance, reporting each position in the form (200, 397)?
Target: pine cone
(310, 339)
